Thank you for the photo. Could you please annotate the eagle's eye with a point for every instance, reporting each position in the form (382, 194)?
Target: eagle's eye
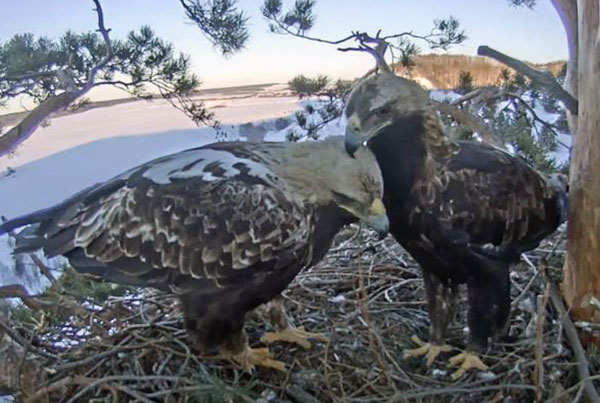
(383, 110)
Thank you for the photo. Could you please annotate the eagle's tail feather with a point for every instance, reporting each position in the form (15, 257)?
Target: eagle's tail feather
(39, 222)
(32, 218)
(29, 239)
(51, 212)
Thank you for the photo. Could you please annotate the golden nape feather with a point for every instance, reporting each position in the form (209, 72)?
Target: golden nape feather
(226, 226)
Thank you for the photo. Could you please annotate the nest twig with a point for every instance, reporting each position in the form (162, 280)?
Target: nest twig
(368, 296)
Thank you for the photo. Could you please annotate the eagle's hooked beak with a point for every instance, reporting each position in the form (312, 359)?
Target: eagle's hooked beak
(352, 141)
(378, 219)
(352, 138)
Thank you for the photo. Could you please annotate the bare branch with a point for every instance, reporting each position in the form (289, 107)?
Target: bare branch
(299, 21)
(109, 53)
(573, 339)
(378, 52)
(542, 79)
(36, 303)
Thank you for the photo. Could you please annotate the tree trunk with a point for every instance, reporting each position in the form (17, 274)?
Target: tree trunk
(581, 285)
(567, 11)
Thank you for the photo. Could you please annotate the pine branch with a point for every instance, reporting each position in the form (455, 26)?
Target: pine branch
(55, 103)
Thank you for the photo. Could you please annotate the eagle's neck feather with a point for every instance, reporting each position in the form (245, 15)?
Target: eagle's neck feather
(400, 154)
(408, 152)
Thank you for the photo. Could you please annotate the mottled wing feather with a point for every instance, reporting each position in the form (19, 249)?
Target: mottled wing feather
(492, 198)
(203, 230)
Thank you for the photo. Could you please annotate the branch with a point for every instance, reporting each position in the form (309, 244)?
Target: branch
(21, 132)
(63, 309)
(475, 123)
(486, 94)
(378, 52)
(573, 339)
(542, 79)
(55, 103)
(109, 53)
(220, 22)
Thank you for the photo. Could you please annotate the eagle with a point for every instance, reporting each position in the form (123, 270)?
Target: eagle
(465, 211)
(226, 227)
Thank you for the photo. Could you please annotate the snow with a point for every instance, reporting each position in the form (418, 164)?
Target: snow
(560, 156)
(444, 95)
(81, 149)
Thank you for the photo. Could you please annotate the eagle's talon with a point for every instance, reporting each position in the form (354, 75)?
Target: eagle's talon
(430, 350)
(466, 361)
(251, 357)
(293, 335)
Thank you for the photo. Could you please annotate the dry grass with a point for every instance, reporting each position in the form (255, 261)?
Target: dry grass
(443, 70)
(367, 296)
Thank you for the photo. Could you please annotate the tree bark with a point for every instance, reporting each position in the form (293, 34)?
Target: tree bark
(567, 11)
(581, 283)
(21, 132)
(55, 103)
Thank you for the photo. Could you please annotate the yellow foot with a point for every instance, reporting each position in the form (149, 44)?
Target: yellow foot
(428, 349)
(251, 357)
(293, 335)
(467, 361)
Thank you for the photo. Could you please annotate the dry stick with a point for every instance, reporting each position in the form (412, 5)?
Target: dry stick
(558, 397)
(18, 291)
(64, 382)
(573, 338)
(115, 378)
(132, 393)
(69, 366)
(364, 298)
(538, 372)
(403, 396)
(45, 270)
(542, 79)
(16, 337)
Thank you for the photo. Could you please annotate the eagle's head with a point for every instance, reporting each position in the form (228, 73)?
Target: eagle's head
(326, 175)
(376, 103)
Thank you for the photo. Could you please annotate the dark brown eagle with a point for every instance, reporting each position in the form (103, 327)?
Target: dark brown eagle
(464, 210)
(226, 226)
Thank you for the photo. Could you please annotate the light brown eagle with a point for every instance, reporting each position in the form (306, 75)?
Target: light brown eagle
(464, 210)
(226, 227)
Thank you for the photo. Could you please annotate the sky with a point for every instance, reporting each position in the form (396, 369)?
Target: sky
(534, 35)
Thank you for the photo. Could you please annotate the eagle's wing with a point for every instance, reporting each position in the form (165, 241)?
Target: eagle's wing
(169, 218)
(488, 197)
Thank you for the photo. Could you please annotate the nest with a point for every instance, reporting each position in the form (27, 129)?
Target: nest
(367, 296)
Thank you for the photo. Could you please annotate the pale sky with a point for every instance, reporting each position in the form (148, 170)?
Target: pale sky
(533, 35)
